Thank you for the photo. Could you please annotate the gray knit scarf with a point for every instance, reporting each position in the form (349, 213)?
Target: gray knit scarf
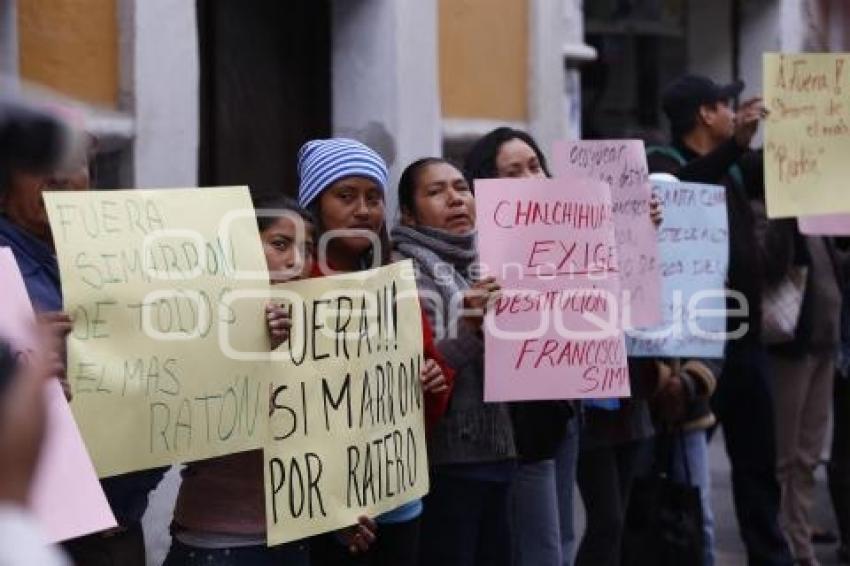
(445, 258)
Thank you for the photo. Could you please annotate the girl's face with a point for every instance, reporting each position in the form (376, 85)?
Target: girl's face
(442, 199)
(517, 159)
(288, 245)
(355, 204)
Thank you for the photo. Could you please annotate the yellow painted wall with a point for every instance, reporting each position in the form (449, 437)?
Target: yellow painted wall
(71, 46)
(484, 59)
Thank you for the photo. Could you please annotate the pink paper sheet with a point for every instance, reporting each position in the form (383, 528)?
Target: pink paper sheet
(67, 499)
(555, 332)
(621, 164)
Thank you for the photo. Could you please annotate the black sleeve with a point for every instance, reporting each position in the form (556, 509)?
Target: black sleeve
(712, 167)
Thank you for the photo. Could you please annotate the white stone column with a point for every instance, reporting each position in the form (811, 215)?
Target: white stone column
(547, 112)
(576, 53)
(163, 93)
(385, 80)
(9, 39)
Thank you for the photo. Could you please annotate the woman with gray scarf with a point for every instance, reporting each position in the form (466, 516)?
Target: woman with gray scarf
(471, 450)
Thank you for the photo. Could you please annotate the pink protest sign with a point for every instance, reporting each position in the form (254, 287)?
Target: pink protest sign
(67, 499)
(621, 164)
(555, 332)
(825, 225)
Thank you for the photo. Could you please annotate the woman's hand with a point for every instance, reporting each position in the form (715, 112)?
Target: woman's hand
(358, 538)
(55, 327)
(478, 298)
(278, 324)
(656, 211)
(432, 377)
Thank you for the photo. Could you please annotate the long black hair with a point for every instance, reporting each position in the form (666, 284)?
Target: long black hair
(480, 162)
(279, 203)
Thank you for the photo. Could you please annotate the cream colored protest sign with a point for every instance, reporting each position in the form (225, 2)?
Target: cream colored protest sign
(143, 274)
(807, 134)
(347, 432)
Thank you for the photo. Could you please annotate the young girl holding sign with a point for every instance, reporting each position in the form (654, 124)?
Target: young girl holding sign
(219, 517)
(471, 451)
(342, 182)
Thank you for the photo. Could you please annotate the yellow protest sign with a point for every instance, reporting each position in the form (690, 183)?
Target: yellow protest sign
(807, 134)
(143, 274)
(347, 430)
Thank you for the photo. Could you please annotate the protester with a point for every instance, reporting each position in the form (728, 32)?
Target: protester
(342, 183)
(538, 504)
(708, 139)
(25, 229)
(803, 367)
(219, 516)
(683, 412)
(471, 450)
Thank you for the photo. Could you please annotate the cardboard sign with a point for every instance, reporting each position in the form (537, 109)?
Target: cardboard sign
(807, 134)
(825, 225)
(154, 357)
(66, 499)
(346, 436)
(621, 164)
(555, 333)
(694, 244)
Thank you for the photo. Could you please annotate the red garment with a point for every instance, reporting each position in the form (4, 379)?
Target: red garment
(435, 403)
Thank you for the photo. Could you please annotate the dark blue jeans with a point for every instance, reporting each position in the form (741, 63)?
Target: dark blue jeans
(293, 554)
(465, 522)
(743, 403)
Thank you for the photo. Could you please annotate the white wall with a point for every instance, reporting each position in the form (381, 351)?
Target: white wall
(760, 33)
(547, 111)
(164, 93)
(385, 80)
(710, 39)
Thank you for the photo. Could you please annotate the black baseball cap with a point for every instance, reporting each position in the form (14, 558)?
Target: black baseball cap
(682, 98)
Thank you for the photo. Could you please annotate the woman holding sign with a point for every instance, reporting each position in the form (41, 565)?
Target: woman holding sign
(471, 451)
(547, 438)
(614, 431)
(342, 183)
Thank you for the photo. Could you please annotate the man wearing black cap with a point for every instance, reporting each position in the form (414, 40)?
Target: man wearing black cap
(708, 140)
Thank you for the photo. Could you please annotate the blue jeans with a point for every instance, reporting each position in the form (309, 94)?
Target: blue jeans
(566, 461)
(292, 554)
(695, 444)
(536, 538)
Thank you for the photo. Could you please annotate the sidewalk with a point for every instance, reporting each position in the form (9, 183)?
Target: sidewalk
(729, 550)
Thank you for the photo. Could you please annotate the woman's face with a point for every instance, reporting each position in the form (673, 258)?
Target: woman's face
(23, 202)
(355, 204)
(516, 159)
(442, 199)
(288, 245)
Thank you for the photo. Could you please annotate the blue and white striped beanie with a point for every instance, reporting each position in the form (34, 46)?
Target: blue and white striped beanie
(321, 163)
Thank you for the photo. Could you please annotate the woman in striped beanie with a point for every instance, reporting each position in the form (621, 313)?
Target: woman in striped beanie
(342, 182)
